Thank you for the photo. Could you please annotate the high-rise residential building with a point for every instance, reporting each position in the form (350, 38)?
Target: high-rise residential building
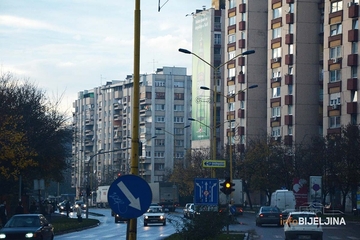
(305, 66)
(102, 128)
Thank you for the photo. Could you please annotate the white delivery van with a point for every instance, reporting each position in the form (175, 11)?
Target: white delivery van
(283, 199)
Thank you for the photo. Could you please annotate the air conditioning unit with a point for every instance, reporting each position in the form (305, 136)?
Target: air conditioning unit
(335, 106)
(276, 59)
(334, 60)
(274, 118)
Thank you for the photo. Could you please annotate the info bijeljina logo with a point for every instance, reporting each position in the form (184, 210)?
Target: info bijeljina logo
(327, 221)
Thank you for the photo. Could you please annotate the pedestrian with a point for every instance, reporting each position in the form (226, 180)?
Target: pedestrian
(3, 213)
(19, 209)
(33, 207)
(67, 207)
(78, 214)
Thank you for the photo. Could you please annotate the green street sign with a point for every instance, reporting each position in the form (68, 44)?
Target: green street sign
(214, 163)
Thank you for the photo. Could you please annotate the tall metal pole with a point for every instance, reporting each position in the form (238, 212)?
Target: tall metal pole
(213, 173)
(132, 223)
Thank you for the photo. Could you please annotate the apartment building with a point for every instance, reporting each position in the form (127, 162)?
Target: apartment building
(305, 65)
(102, 128)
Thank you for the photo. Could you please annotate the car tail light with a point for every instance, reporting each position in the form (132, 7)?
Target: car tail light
(261, 215)
(280, 215)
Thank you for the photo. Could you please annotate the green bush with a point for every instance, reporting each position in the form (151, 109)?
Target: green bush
(64, 224)
(207, 225)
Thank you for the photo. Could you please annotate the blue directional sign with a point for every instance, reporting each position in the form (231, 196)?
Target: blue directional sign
(129, 196)
(206, 191)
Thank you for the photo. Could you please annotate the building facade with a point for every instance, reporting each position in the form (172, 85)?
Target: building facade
(102, 128)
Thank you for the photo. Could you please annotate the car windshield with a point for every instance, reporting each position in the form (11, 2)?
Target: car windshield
(23, 221)
(154, 210)
(269, 209)
(307, 216)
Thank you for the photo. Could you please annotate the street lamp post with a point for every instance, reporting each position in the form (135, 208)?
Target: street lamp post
(215, 70)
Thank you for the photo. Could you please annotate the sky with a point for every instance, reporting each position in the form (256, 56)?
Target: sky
(67, 46)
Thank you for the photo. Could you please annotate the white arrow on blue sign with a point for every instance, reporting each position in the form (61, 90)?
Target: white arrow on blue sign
(129, 196)
(206, 191)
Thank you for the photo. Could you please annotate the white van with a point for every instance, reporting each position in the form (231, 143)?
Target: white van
(283, 199)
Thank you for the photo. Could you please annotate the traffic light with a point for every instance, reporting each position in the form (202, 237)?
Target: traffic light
(227, 187)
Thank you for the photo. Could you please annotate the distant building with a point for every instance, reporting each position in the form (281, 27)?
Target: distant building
(102, 128)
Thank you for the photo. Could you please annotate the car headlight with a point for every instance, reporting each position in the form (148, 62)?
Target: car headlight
(84, 205)
(146, 217)
(76, 205)
(2, 236)
(162, 217)
(29, 235)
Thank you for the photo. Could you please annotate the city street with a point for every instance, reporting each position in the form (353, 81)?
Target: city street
(109, 230)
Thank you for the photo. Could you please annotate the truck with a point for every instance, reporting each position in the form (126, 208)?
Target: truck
(283, 199)
(101, 196)
(165, 194)
(236, 198)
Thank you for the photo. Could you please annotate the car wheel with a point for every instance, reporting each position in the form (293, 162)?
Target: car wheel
(164, 224)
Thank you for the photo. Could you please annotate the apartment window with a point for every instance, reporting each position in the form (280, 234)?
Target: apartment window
(160, 118)
(276, 32)
(290, 89)
(242, 139)
(354, 97)
(231, 55)
(159, 83)
(276, 12)
(290, 109)
(335, 52)
(336, 6)
(276, 132)
(217, 38)
(291, 28)
(231, 38)
(291, 49)
(179, 131)
(355, 24)
(276, 72)
(335, 75)
(179, 155)
(290, 70)
(276, 52)
(159, 132)
(354, 47)
(354, 70)
(243, 17)
(178, 96)
(242, 104)
(179, 143)
(334, 122)
(231, 72)
(178, 108)
(232, 20)
(290, 130)
(291, 8)
(334, 99)
(276, 92)
(335, 29)
(242, 35)
(276, 111)
(160, 107)
(232, 106)
(179, 84)
(231, 3)
(159, 154)
(160, 95)
(178, 119)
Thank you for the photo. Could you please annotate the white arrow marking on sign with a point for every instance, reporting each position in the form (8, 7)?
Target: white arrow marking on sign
(134, 202)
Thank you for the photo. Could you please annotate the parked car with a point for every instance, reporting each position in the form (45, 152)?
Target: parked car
(311, 230)
(268, 215)
(80, 204)
(154, 214)
(186, 209)
(27, 226)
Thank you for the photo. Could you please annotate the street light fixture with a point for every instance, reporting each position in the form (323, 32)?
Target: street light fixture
(215, 70)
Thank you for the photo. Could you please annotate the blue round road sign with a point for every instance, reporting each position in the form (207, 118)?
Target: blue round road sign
(129, 196)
